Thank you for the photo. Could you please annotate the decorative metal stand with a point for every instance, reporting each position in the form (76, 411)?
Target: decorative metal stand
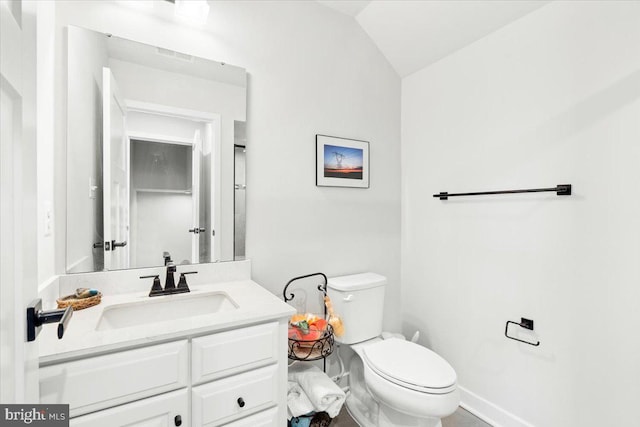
(308, 350)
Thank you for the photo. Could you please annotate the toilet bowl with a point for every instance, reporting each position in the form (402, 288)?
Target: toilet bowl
(412, 385)
(392, 382)
(399, 383)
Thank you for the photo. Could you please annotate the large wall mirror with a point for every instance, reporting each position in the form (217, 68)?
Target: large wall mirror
(155, 156)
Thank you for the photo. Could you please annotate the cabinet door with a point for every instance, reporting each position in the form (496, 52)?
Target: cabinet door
(166, 410)
(100, 382)
(235, 397)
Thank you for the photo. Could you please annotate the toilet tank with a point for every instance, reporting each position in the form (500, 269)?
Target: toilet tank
(359, 301)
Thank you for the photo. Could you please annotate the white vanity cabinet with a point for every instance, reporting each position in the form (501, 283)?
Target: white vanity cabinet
(231, 378)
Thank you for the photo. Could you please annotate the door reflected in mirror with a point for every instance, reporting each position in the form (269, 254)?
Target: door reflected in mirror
(153, 171)
(239, 198)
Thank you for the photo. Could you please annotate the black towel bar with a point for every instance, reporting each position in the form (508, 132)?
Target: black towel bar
(524, 323)
(560, 190)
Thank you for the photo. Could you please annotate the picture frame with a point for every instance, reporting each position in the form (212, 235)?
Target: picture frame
(341, 162)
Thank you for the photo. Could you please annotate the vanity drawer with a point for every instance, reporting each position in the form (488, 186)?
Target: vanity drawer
(226, 353)
(100, 382)
(228, 399)
(156, 411)
(268, 418)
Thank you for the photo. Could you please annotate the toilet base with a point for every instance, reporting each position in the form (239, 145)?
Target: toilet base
(389, 417)
(377, 415)
(361, 413)
(360, 405)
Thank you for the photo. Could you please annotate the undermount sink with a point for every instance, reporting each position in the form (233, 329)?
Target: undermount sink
(161, 309)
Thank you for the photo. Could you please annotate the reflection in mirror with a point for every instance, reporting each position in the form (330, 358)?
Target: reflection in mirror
(153, 172)
(240, 189)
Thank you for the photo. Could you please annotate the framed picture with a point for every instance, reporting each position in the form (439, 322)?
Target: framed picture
(341, 162)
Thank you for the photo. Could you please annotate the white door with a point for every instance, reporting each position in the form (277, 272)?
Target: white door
(18, 359)
(212, 201)
(195, 197)
(115, 161)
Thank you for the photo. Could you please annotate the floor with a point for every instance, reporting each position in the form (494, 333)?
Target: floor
(460, 418)
(463, 418)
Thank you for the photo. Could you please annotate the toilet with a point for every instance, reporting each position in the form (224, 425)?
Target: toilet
(392, 382)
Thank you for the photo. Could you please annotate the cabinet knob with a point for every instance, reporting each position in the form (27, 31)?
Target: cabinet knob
(241, 402)
(177, 420)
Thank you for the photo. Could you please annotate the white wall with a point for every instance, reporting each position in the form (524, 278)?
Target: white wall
(311, 70)
(314, 71)
(552, 98)
(45, 130)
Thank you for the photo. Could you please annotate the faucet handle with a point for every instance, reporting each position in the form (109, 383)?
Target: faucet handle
(156, 289)
(182, 283)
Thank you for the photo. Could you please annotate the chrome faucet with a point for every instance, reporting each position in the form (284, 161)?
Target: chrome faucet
(169, 284)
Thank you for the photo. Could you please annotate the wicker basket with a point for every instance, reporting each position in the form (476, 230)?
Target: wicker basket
(79, 303)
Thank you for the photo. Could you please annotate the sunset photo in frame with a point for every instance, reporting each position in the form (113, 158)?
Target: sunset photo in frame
(341, 162)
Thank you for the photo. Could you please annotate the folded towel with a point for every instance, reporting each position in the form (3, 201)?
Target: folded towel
(297, 400)
(85, 293)
(301, 422)
(323, 393)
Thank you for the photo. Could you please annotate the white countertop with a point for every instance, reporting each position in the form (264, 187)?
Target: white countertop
(81, 339)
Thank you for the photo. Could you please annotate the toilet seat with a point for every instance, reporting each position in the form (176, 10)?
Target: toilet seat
(410, 365)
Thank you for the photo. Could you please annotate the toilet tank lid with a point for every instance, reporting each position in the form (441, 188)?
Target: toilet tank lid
(356, 282)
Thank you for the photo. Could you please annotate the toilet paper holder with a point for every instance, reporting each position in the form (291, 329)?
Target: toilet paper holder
(524, 323)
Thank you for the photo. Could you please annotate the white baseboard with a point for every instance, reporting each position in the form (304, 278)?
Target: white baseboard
(489, 412)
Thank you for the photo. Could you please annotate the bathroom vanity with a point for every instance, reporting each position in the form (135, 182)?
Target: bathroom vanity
(225, 366)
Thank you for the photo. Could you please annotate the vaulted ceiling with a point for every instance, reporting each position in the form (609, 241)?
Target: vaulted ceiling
(413, 34)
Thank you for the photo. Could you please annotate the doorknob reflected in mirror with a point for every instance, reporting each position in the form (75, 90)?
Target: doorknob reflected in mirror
(115, 244)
